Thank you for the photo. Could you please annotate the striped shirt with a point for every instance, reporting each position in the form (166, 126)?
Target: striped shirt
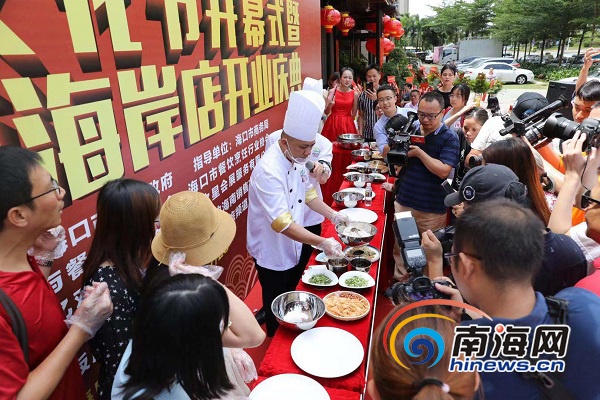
(367, 108)
(419, 188)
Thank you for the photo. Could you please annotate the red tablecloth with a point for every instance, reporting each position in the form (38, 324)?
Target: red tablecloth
(334, 394)
(278, 359)
(341, 159)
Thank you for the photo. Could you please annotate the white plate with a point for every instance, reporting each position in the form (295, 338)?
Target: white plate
(351, 249)
(290, 387)
(327, 352)
(350, 274)
(357, 190)
(321, 257)
(316, 271)
(359, 164)
(360, 215)
(347, 174)
(352, 295)
(378, 177)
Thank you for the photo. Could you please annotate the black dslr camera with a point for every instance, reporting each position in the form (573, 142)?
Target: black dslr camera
(418, 287)
(400, 131)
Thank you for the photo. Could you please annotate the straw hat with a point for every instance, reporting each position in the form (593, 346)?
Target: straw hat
(191, 224)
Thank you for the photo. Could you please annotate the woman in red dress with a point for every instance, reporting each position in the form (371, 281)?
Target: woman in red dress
(342, 101)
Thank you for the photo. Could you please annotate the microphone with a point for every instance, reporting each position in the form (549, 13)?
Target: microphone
(310, 166)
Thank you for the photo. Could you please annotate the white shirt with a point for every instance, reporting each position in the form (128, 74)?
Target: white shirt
(412, 106)
(322, 150)
(489, 133)
(277, 196)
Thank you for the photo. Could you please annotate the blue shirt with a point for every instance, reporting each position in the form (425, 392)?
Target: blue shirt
(379, 129)
(420, 188)
(582, 361)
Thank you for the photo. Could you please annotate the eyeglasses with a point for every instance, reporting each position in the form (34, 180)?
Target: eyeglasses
(55, 188)
(449, 256)
(587, 200)
(385, 99)
(423, 115)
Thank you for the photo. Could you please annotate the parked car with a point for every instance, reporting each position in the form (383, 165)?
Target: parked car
(477, 63)
(504, 72)
(472, 64)
(429, 57)
(467, 60)
(532, 58)
(421, 55)
(592, 75)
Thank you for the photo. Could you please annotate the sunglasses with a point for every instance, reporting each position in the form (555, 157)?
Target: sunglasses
(587, 200)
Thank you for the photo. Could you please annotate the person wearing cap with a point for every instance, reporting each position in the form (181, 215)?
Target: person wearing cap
(498, 248)
(279, 192)
(563, 263)
(526, 104)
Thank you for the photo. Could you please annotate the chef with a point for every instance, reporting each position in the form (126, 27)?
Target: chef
(279, 192)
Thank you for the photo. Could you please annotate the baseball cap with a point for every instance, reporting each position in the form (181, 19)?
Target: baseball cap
(484, 182)
(528, 103)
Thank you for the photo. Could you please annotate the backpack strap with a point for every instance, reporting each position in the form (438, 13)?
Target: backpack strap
(17, 323)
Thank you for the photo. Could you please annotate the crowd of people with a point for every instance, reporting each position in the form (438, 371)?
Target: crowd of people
(526, 239)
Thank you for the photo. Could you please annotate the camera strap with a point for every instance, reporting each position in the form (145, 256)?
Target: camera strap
(16, 322)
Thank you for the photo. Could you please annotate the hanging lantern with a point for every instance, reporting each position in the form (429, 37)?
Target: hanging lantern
(387, 46)
(392, 26)
(371, 46)
(386, 19)
(400, 32)
(346, 23)
(330, 17)
(371, 26)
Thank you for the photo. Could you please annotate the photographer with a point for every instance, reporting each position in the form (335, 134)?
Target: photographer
(429, 164)
(386, 97)
(498, 248)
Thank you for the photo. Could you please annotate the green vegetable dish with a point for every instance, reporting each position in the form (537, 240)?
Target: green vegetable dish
(356, 281)
(320, 279)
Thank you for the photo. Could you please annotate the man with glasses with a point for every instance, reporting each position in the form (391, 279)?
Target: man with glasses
(31, 203)
(429, 164)
(498, 248)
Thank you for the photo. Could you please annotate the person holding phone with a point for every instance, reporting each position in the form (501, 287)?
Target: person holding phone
(367, 117)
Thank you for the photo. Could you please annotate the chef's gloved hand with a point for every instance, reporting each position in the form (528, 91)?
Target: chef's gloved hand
(331, 247)
(339, 218)
(94, 309)
(244, 364)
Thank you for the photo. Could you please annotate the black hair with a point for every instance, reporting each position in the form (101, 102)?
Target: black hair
(451, 67)
(478, 114)
(431, 96)
(493, 105)
(415, 90)
(333, 77)
(387, 87)
(177, 339)
(373, 66)
(408, 85)
(346, 69)
(589, 91)
(16, 165)
(463, 89)
(507, 237)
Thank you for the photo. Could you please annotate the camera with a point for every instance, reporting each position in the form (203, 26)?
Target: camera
(418, 287)
(446, 237)
(475, 161)
(533, 121)
(557, 126)
(401, 133)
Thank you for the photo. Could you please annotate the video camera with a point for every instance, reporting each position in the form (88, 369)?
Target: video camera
(418, 287)
(401, 133)
(546, 124)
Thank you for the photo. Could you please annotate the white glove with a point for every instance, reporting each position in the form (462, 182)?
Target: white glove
(331, 247)
(177, 266)
(94, 310)
(244, 364)
(339, 218)
(49, 246)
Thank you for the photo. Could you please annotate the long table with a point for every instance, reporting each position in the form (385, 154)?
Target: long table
(278, 359)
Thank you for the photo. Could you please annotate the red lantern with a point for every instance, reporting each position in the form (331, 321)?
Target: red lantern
(386, 19)
(371, 26)
(387, 46)
(346, 23)
(371, 46)
(330, 17)
(392, 26)
(400, 32)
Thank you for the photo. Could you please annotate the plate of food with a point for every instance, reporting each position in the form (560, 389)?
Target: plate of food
(289, 386)
(358, 165)
(378, 177)
(346, 305)
(347, 174)
(360, 215)
(319, 277)
(358, 190)
(376, 155)
(356, 280)
(321, 257)
(327, 352)
(365, 251)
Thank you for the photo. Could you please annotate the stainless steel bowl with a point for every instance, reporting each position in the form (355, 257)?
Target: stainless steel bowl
(361, 155)
(346, 198)
(360, 178)
(360, 264)
(298, 310)
(356, 233)
(350, 141)
(338, 265)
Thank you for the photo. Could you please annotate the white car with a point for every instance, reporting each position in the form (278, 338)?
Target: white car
(429, 57)
(592, 75)
(504, 72)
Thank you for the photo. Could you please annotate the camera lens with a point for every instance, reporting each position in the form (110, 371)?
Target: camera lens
(475, 161)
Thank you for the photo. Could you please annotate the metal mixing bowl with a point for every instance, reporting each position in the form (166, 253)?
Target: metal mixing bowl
(361, 264)
(361, 155)
(360, 178)
(338, 265)
(350, 141)
(341, 198)
(356, 238)
(298, 310)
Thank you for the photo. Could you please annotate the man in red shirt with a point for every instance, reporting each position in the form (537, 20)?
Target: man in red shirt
(31, 202)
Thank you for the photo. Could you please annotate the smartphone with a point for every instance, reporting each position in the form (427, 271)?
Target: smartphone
(370, 86)
(596, 57)
(447, 187)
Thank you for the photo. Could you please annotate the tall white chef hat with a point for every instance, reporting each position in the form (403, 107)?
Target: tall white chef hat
(313, 84)
(303, 115)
